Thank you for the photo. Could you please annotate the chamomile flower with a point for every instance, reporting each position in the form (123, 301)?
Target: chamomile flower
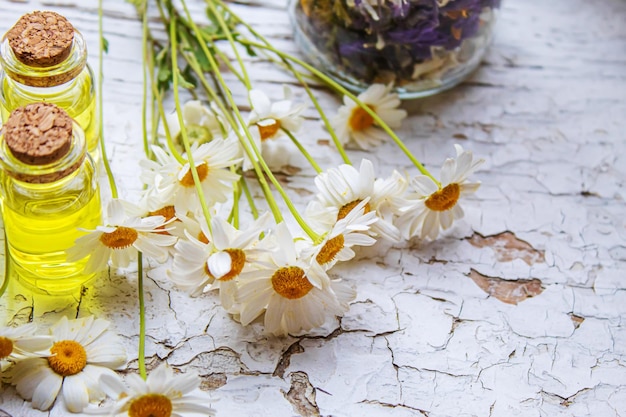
(234, 250)
(173, 223)
(82, 351)
(346, 233)
(433, 206)
(23, 342)
(215, 263)
(162, 394)
(270, 118)
(171, 182)
(202, 123)
(189, 270)
(343, 188)
(353, 124)
(268, 121)
(119, 239)
(295, 294)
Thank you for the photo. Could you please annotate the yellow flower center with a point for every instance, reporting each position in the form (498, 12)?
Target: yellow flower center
(203, 171)
(330, 249)
(120, 238)
(69, 357)
(267, 131)
(347, 208)
(6, 347)
(196, 133)
(151, 405)
(237, 262)
(168, 212)
(445, 198)
(290, 282)
(202, 238)
(360, 119)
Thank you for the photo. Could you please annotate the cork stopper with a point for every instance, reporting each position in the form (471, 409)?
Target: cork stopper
(38, 134)
(41, 39)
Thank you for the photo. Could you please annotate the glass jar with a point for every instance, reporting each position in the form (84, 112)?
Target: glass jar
(49, 193)
(421, 46)
(58, 75)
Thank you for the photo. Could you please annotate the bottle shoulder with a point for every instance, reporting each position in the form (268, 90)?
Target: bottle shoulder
(73, 96)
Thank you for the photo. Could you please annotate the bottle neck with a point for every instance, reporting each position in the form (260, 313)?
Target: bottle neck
(50, 76)
(48, 173)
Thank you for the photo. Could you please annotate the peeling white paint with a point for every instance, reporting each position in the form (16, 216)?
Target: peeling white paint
(546, 109)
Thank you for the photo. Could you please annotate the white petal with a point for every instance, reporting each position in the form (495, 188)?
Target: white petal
(47, 391)
(260, 103)
(116, 213)
(112, 385)
(75, 393)
(430, 228)
(447, 171)
(193, 112)
(424, 185)
(219, 264)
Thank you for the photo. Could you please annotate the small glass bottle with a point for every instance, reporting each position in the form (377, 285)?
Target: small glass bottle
(49, 193)
(44, 59)
(421, 46)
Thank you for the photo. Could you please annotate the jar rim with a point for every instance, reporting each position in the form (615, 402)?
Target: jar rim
(49, 76)
(45, 173)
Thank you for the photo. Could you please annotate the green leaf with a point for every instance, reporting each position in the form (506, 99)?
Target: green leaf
(189, 77)
(105, 45)
(164, 74)
(183, 82)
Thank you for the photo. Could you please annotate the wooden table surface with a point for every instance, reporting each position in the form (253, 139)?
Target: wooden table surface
(518, 310)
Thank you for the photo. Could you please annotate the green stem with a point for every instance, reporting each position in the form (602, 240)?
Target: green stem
(141, 355)
(300, 78)
(159, 100)
(292, 209)
(226, 29)
(226, 93)
(103, 152)
(354, 98)
(233, 218)
(303, 151)
(144, 99)
(217, 98)
(251, 204)
(183, 129)
(218, 52)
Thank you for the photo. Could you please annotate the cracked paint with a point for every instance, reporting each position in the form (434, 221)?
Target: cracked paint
(507, 291)
(508, 247)
(301, 395)
(517, 310)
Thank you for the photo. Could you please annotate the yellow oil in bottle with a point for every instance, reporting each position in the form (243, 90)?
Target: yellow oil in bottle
(77, 98)
(62, 76)
(49, 196)
(39, 232)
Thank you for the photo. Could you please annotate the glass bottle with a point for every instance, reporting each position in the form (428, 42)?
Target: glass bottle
(44, 59)
(421, 46)
(49, 193)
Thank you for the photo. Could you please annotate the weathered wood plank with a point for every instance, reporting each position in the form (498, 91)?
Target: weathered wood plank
(429, 333)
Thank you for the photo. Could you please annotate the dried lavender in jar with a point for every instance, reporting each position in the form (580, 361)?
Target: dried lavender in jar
(422, 46)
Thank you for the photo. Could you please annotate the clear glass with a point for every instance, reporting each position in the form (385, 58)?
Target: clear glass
(69, 84)
(421, 46)
(44, 208)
